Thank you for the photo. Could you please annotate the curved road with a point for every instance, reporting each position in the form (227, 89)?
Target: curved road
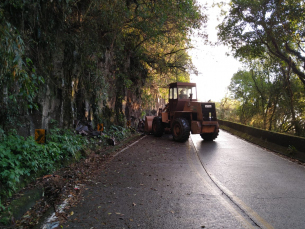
(159, 183)
(267, 188)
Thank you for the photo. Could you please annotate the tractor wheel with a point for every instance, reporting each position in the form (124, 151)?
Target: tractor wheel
(181, 130)
(209, 136)
(157, 127)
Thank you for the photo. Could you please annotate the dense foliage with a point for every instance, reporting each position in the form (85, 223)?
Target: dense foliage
(268, 36)
(22, 160)
(266, 103)
(81, 56)
(78, 59)
(275, 27)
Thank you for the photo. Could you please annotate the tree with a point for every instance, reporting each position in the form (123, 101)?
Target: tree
(18, 79)
(268, 97)
(227, 109)
(243, 90)
(92, 52)
(276, 27)
(258, 92)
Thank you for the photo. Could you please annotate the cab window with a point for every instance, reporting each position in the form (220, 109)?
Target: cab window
(173, 93)
(186, 91)
(193, 91)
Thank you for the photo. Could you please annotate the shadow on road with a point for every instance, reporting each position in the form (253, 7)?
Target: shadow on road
(208, 147)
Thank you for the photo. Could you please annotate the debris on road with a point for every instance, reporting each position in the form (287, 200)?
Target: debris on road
(63, 190)
(85, 128)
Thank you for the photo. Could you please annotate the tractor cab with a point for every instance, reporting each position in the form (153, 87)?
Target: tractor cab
(179, 93)
(184, 115)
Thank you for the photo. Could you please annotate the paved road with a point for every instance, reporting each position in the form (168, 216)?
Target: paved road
(156, 183)
(270, 189)
(159, 183)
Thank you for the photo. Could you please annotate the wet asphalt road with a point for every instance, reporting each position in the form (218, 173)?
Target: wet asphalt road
(269, 188)
(159, 183)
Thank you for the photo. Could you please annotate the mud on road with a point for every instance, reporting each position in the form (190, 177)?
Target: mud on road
(155, 183)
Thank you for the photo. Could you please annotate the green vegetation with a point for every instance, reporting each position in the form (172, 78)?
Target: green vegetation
(81, 57)
(82, 60)
(23, 160)
(267, 36)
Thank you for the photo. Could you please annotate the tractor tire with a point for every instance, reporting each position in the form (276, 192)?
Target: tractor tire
(209, 136)
(181, 130)
(157, 127)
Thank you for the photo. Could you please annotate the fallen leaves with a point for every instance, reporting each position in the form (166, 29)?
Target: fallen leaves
(64, 183)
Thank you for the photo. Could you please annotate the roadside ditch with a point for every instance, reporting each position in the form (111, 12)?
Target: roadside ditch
(33, 204)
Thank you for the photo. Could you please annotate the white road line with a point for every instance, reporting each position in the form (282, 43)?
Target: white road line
(51, 221)
(262, 223)
(128, 146)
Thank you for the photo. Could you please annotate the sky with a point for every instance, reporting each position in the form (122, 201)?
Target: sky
(214, 66)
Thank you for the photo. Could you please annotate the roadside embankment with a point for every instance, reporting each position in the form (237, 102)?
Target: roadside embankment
(27, 207)
(287, 145)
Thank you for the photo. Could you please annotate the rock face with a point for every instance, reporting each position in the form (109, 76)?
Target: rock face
(52, 110)
(69, 95)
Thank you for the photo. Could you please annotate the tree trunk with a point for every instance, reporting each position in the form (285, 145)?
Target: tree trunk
(5, 96)
(287, 86)
(118, 101)
(273, 112)
(46, 109)
(4, 110)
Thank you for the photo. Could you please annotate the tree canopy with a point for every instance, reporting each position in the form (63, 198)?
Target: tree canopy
(81, 56)
(276, 27)
(268, 36)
